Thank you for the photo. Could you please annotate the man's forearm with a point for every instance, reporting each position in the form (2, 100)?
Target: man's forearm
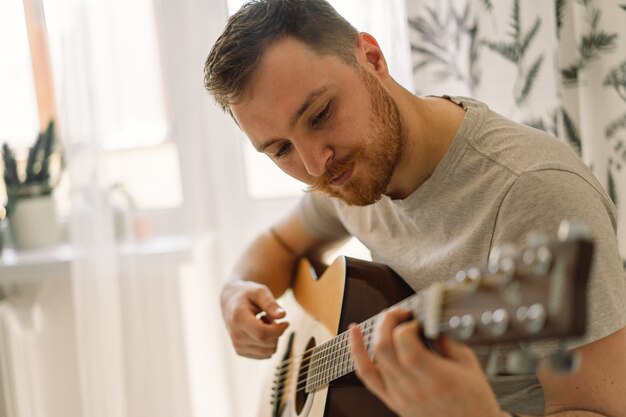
(267, 262)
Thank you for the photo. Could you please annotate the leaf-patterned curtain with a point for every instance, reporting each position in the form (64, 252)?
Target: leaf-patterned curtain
(559, 66)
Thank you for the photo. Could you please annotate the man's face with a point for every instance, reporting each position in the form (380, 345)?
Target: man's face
(323, 122)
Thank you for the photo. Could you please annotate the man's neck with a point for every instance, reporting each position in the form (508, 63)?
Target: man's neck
(430, 125)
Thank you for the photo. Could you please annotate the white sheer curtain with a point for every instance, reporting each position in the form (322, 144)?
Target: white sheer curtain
(145, 316)
(95, 284)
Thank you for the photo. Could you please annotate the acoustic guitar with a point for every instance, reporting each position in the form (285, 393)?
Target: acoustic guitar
(536, 292)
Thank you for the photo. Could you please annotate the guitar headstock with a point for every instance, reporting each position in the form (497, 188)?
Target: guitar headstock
(522, 294)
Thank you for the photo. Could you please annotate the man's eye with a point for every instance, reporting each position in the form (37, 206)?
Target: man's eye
(321, 116)
(283, 150)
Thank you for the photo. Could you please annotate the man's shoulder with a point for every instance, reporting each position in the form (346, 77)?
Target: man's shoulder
(522, 148)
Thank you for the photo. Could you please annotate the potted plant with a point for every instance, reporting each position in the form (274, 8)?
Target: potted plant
(31, 210)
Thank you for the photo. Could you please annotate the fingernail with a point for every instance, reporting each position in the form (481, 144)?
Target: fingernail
(279, 310)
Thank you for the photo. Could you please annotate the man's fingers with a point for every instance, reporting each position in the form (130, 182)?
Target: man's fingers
(253, 318)
(364, 367)
(256, 352)
(265, 318)
(384, 349)
(259, 329)
(258, 341)
(263, 298)
(456, 351)
(413, 355)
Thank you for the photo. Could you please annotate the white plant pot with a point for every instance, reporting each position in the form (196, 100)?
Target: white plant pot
(33, 222)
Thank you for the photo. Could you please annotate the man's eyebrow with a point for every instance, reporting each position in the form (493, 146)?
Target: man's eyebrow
(303, 108)
(307, 102)
(267, 144)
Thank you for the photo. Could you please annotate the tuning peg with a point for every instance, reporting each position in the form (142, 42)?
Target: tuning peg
(502, 260)
(538, 258)
(564, 362)
(472, 278)
(495, 322)
(573, 230)
(536, 239)
(463, 327)
(521, 362)
(533, 318)
(499, 252)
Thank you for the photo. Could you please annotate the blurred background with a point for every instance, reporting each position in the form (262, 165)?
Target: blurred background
(130, 195)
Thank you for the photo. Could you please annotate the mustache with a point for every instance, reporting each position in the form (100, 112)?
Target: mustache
(333, 170)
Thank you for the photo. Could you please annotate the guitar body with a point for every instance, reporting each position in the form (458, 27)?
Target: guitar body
(349, 291)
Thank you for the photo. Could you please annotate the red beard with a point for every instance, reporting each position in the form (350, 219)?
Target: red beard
(377, 160)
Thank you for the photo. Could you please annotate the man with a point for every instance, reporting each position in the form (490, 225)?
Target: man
(429, 185)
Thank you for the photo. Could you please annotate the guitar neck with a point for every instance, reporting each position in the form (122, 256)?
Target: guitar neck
(534, 294)
(332, 360)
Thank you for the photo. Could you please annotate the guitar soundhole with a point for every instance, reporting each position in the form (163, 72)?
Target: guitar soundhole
(301, 394)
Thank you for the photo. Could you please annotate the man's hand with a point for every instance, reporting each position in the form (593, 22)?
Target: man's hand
(250, 312)
(414, 381)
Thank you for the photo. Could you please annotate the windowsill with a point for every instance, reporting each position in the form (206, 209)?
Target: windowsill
(31, 266)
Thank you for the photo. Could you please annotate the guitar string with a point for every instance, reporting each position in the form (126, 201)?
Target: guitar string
(321, 356)
(451, 295)
(317, 355)
(328, 343)
(321, 353)
(302, 383)
(346, 361)
(324, 348)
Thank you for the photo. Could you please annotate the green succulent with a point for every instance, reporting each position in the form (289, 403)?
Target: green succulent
(37, 180)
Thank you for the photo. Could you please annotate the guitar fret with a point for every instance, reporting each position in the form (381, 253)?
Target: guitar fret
(314, 369)
(320, 367)
(326, 370)
(332, 359)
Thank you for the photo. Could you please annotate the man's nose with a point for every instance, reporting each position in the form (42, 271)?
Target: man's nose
(315, 157)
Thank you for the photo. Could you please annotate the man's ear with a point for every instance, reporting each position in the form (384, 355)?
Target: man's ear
(371, 56)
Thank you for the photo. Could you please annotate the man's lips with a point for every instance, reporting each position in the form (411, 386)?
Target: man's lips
(343, 178)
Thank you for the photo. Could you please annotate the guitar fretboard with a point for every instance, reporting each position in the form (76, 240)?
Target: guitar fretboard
(332, 359)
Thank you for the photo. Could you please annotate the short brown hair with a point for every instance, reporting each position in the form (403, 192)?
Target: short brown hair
(235, 55)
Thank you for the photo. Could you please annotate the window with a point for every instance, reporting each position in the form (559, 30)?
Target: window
(18, 107)
(107, 76)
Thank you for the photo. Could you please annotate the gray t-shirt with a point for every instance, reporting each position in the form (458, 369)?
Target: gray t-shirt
(498, 181)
